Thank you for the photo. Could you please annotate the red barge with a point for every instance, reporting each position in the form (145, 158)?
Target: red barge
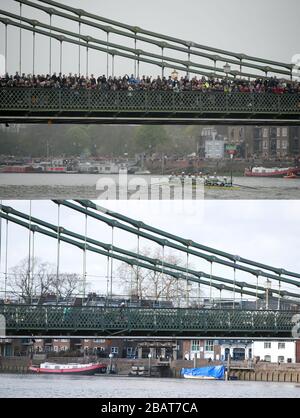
(71, 368)
(271, 172)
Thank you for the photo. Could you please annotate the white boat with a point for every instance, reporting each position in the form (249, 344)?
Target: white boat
(142, 172)
(70, 368)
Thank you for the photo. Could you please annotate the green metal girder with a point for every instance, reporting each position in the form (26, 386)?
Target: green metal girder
(135, 30)
(140, 257)
(39, 319)
(186, 242)
(138, 53)
(167, 243)
(132, 262)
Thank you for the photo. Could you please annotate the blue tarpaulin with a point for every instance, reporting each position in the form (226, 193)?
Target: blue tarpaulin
(215, 372)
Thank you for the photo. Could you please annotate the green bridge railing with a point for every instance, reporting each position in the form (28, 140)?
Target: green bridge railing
(66, 320)
(160, 103)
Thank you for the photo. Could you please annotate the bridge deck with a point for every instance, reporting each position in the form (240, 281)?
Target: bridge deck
(66, 320)
(191, 107)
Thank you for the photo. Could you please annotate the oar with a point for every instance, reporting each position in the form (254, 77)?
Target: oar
(246, 187)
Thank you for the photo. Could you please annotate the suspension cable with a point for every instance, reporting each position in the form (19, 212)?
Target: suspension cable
(135, 59)
(187, 280)
(6, 64)
(162, 271)
(279, 295)
(210, 282)
(107, 277)
(234, 283)
(111, 263)
(79, 55)
(256, 304)
(137, 268)
(87, 59)
(33, 53)
(84, 259)
(32, 262)
(107, 55)
(113, 65)
(6, 260)
(20, 57)
(1, 244)
(29, 250)
(58, 251)
(50, 45)
(60, 57)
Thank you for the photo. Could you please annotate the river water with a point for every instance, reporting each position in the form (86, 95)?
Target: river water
(24, 386)
(91, 186)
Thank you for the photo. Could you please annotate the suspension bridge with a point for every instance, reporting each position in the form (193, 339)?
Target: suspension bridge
(268, 311)
(141, 106)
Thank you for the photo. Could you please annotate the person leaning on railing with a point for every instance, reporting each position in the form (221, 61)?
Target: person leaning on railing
(203, 84)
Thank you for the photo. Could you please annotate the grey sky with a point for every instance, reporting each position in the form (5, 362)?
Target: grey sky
(268, 28)
(266, 231)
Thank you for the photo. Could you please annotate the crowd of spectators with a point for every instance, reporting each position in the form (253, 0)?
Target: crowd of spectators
(202, 84)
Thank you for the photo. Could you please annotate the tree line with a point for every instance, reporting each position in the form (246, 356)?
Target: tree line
(39, 141)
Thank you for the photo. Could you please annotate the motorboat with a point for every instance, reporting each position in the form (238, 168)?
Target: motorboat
(204, 373)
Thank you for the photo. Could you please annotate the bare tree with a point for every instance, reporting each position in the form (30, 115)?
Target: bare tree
(38, 279)
(66, 285)
(141, 283)
(28, 282)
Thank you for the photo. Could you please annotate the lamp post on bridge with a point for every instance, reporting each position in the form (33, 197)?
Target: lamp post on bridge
(149, 357)
(227, 70)
(110, 362)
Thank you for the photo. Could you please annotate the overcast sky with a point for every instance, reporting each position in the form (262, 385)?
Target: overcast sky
(268, 29)
(266, 231)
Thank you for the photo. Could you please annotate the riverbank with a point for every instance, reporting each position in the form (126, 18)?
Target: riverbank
(259, 372)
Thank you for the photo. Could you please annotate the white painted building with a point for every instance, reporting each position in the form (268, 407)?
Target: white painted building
(238, 350)
(214, 146)
(275, 351)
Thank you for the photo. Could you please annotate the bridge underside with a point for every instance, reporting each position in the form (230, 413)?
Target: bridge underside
(171, 322)
(117, 119)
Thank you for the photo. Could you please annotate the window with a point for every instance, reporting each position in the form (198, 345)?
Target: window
(196, 345)
(265, 144)
(55, 348)
(284, 131)
(99, 340)
(114, 350)
(284, 144)
(209, 345)
(267, 345)
(281, 359)
(281, 346)
(278, 131)
(129, 351)
(266, 132)
(268, 359)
